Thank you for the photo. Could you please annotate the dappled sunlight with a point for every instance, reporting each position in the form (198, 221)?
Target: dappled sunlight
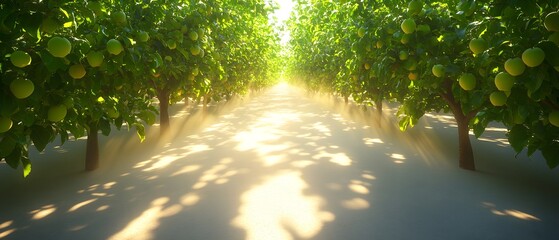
(277, 208)
(43, 212)
(5, 232)
(397, 158)
(143, 226)
(359, 187)
(218, 174)
(162, 161)
(372, 141)
(186, 169)
(356, 204)
(81, 204)
(510, 212)
(338, 158)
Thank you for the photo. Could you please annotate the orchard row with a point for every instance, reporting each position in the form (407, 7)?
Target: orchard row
(74, 68)
(483, 61)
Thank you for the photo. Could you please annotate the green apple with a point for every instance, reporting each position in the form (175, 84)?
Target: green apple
(498, 98)
(408, 26)
(59, 46)
(478, 45)
(467, 81)
(551, 21)
(95, 59)
(515, 66)
(5, 124)
(533, 57)
(438, 70)
(504, 81)
(20, 59)
(57, 113)
(193, 35)
(22, 88)
(76, 71)
(554, 118)
(114, 47)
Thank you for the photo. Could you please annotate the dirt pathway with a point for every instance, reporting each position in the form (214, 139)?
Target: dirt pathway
(283, 166)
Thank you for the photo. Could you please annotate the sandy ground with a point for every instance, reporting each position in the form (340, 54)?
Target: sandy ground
(283, 165)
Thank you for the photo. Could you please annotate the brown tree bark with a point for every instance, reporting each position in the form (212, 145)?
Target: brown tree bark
(466, 153)
(378, 112)
(92, 148)
(164, 121)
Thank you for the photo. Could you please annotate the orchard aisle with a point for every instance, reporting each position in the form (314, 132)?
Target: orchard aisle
(284, 166)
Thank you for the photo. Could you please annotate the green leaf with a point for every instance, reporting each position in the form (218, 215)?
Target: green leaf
(518, 137)
(26, 166)
(141, 131)
(7, 145)
(14, 158)
(41, 136)
(550, 153)
(104, 126)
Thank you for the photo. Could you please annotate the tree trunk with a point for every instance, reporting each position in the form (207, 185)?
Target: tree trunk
(466, 153)
(164, 122)
(92, 148)
(378, 112)
(464, 145)
(346, 99)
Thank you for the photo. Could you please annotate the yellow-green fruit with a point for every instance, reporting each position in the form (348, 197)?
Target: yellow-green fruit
(504, 81)
(551, 21)
(76, 71)
(95, 59)
(410, 64)
(195, 50)
(533, 57)
(5, 124)
(554, 37)
(143, 36)
(172, 44)
(438, 70)
(405, 39)
(22, 88)
(554, 118)
(515, 66)
(467, 81)
(119, 18)
(57, 113)
(498, 98)
(379, 44)
(195, 71)
(49, 25)
(415, 7)
(168, 58)
(20, 59)
(367, 66)
(59, 46)
(408, 26)
(361, 32)
(478, 45)
(113, 113)
(114, 47)
(403, 55)
(412, 76)
(193, 35)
